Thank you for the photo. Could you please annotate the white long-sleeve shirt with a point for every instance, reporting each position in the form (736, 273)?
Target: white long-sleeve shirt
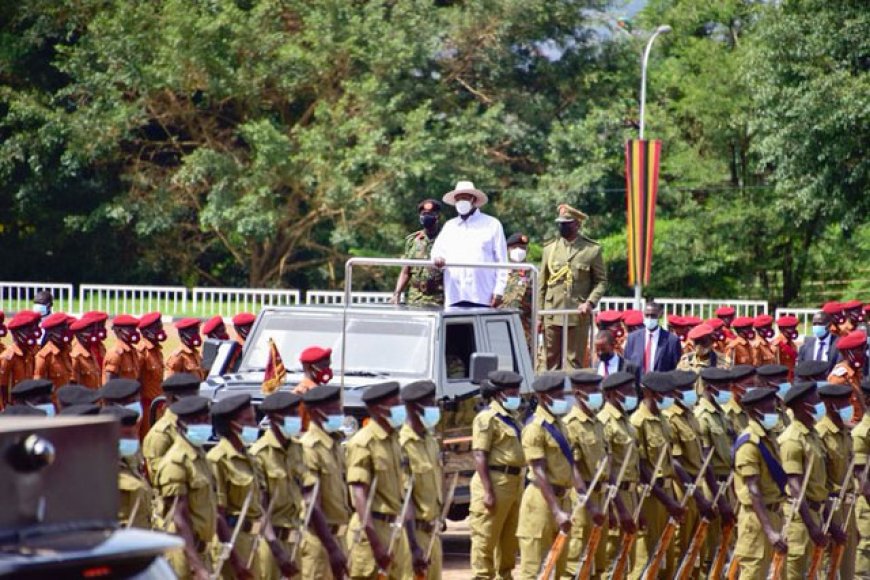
(479, 238)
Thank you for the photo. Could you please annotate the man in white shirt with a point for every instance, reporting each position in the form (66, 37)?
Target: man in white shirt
(472, 236)
(608, 360)
(822, 345)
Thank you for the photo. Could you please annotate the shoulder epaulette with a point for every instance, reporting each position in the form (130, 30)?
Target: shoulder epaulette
(590, 240)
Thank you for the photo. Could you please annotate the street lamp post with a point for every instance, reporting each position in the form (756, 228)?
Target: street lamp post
(663, 29)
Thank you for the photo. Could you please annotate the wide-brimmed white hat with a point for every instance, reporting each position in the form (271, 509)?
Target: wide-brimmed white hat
(465, 187)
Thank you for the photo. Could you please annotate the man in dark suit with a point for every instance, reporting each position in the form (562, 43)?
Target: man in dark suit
(823, 344)
(607, 359)
(653, 348)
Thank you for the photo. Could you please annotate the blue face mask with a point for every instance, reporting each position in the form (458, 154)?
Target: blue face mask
(769, 421)
(249, 434)
(820, 331)
(690, 398)
(594, 401)
(559, 407)
(666, 403)
(333, 423)
(511, 403)
(846, 413)
(651, 323)
(782, 389)
(430, 417)
(397, 416)
(291, 426)
(199, 434)
(818, 411)
(137, 406)
(128, 447)
(722, 397)
(48, 408)
(42, 309)
(629, 403)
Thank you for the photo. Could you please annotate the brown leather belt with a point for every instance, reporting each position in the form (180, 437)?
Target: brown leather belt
(425, 526)
(557, 489)
(283, 533)
(506, 469)
(815, 505)
(199, 545)
(247, 525)
(382, 516)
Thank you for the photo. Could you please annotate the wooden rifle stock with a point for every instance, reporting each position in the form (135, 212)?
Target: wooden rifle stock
(722, 552)
(684, 572)
(436, 533)
(622, 559)
(398, 526)
(819, 551)
(779, 557)
(734, 568)
(839, 549)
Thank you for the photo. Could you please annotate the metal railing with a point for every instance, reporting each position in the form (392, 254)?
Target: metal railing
(337, 297)
(169, 300)
(231, 301)
(16, 296)
(804, 316)
(704, 308)
(563, 317)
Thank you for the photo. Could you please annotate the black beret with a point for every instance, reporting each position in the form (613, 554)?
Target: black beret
(180, 382)
(798, 391)
(657, 382)
(322, 394)
(715, 375)
(22, 411)
(79, 410)
(127, 417)
(585, 377)
(69, 395)
(756, 395)
(487, 389)
(739, 372)
(380, 391)
(549, 382)
(190, 406)
(830, 391)
(616, 380)
(429, 205)
(865, 385)
(280, 401)
(417, 390)
(504, 379)
(517, 239)
(771, 370)
(811, 368)
(230, 405)
(31, 388)
(119, 389)
(683, 379)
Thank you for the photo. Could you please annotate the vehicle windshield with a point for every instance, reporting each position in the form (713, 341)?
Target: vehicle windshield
(378, 344)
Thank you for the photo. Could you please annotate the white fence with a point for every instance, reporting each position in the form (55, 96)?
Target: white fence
(337, 297)
(230, 301)
(704, 309)
(15, 296)
(169, 300)
(804, 315)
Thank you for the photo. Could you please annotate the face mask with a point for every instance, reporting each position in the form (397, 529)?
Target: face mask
(160, 336)
(818, 411)
(511, 403)
(48, 408)
(249, 434)
(430, 417)
(137, 406)
(666, 403)
(428, 220)
(651, 323)
(722, 397)
(747, 334)
(463, 207)
(292, 426)
(566, 229)
(690, 398)
(322, 376)
(42, 309)
(594, 401)
(629, 403)
(769, 421)
(855, 361)
(846, 413)
(559, 407)
(517, 254)
(102, 334)
(605, 356)
(195, 340)
(333, 423)
(790, 334)
(128, 447)
(199, 434)
(133, 337)
(397, 416)
(3, 331)
(782, 389)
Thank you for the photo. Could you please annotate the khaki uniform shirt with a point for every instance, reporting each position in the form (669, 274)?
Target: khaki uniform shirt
(122, 361)
(53, 363)
(372, 451)
(740, 351)
(794, 459)
(492, 435)
(763, 352)
(749, 462)
(736, 416)
(282, 467)
(686, 442)
(653, 434)
(185, 360)
(184, 470)
(159, 439)
(538, 443)
(85, 368)
(135, 493)
(619, 433)
(692, 362)
(324, 461)
(235, 475)
(150, 368)
(714, 429)
(571, 273)
(586, 437)
(837, 446)
(861, 442)
(421, 453)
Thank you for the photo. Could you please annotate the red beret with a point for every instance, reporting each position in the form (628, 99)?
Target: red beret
(149, 319)
(22, 319)
(186, 323)
(125, 320)
(700, 331)
(96, 316)
(742, 321)
(609, 316)
(850, 304)
(725, 311)
(762, 320)
(55, 319)
(787, 321)
(314, 353)
(632, 317)
(832, 308)
(855, 339)
(81, 323)
(714, 323)
(691, 320)
(212, 323)
(867, 308)
(674, 320)
(2, 317)
(244, 319)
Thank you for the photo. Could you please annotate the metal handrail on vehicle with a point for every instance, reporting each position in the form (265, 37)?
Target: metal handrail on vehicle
(399, 262)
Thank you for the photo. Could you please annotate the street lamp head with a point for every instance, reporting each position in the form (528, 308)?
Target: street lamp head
(663, 29)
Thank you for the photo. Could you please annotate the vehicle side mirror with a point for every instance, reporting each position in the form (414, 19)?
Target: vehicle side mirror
(482, 363)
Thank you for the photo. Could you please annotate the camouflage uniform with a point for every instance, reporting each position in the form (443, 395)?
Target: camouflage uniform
(426, 285)
(518, 294)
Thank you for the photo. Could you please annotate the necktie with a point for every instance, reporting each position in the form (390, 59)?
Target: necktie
(819, 349)
(606, 369)
(646, 352)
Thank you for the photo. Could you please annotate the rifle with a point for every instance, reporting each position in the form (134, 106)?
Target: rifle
(306, 520)
(259, 535)
(819, 551)
(584, 569)
(398, 526)
(437, 531)
(226, 549)
(684, 572)
(838, 549)
(133, 512)
(655, 563)
(562, 538)
(779, 557)
(628, 539)
(366, 513)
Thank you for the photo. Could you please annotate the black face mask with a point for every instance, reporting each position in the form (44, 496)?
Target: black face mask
(566, 229)
(428, 221)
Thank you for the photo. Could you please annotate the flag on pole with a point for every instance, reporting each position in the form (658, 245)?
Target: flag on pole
(275, 371)
(641, 186)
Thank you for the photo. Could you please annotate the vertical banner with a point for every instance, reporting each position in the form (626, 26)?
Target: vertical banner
(641, 187)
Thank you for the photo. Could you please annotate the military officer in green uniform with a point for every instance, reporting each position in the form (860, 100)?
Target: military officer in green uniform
(758, 483)
(586, 436)
(425, 285)
(796, 443)
(545, 509)
(518, 290)
(237, 476)
(160, 437)
(374, 452)
(742, 379)
(572, 277)
(136, 496)
(861, 447)
(497, 483)
(323, 555)
(185, 484)
(421, 451)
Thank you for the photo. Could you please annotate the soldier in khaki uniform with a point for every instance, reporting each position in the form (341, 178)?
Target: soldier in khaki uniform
(185, 484)
(795, 443)
(186, 358)
(426, 284)
(69, 395)
(421, 451)
(850, 370)
(776, 377)
(758, 482)
(86, 369)
(586, 436)
(136, 495)
(702, 355)
(122, 362)
(763, 350)
(322, 552)
(374, 451)
(572, 277)
(837, 444)
(861, 447)
(739, 348)
(742, 379)
(546, 506)
(36, 394)
(150, 363)
(16, 362)
(162, 434)
(53, 361)
(497, 484)
(518, 290)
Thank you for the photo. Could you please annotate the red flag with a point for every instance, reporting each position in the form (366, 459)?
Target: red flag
(275, 371)
(641, 187)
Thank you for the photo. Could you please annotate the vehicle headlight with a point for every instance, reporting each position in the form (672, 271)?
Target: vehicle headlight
(350, 425)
